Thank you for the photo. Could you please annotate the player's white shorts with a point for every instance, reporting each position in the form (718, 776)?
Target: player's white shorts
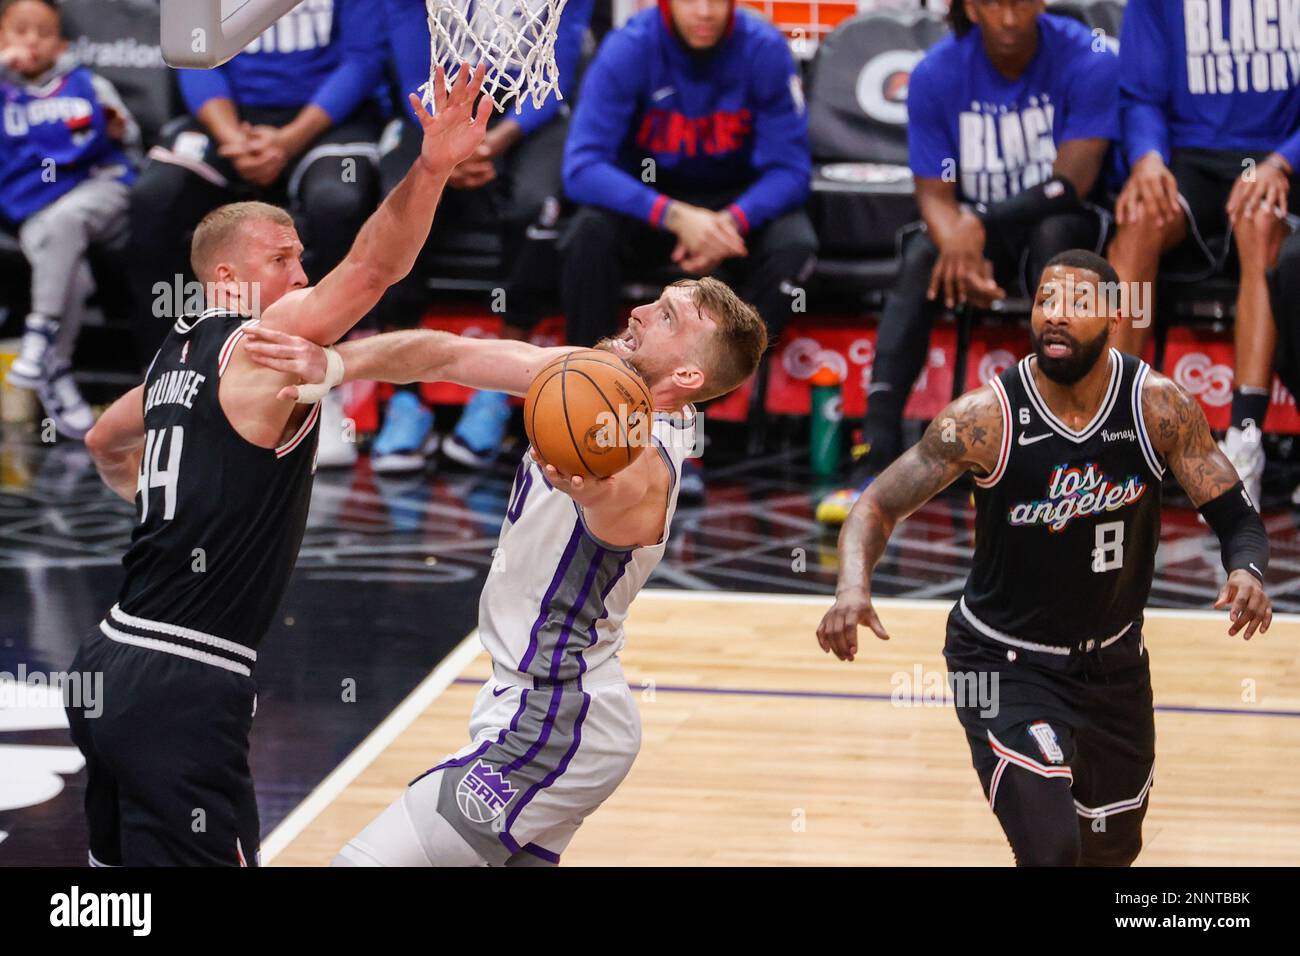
(540, 760)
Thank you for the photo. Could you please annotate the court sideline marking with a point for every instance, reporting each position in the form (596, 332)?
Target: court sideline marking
(450, 669)
(376, 742)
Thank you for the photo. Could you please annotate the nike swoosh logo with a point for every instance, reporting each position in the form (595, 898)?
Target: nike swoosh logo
(1029, 441)
(661, 93)
(1256, 570)
(498, 693)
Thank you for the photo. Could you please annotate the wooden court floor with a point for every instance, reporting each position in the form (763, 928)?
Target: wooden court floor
(758, 749)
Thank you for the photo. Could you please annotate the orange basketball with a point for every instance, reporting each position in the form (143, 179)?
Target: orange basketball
(589, 413)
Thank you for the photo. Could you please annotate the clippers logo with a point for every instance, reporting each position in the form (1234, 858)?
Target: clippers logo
(1201, 377)
(1045, 737)
(483, 793)
(881, 89)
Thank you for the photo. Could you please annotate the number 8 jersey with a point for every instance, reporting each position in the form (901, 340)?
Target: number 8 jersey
(1068, 521)
(220, 519)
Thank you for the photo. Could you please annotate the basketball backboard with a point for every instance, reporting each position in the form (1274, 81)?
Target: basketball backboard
(207, 33)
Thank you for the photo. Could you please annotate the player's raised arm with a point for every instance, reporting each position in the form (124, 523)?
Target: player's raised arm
(964, 436)
(387, 245)
(1181, 436)
(419, 355)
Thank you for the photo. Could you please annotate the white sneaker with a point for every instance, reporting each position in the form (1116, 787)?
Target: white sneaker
(28, 369)
(1245, 449)
(73, 417)
(336, 449)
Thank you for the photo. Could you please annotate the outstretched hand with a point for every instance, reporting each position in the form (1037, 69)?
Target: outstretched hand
(286, 353)
(588, 492)
(454, 130)
(838, 631)
(1251, 607)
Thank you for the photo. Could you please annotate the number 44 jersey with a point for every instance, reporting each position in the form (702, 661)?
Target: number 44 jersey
(1068, 521)
(220, 519)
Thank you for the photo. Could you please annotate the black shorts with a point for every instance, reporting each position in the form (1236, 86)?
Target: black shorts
(1085, 718)
(1205, 179)
(166, 759)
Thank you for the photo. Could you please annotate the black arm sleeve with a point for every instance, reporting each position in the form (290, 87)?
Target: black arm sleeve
(1030, 205)
(1242, 539)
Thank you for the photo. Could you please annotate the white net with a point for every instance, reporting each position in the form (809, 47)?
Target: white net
(515, 38)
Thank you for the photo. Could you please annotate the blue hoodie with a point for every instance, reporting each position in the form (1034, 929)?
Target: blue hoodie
(1213, 74)
(732, 118)
(54, 137)
(326, 52)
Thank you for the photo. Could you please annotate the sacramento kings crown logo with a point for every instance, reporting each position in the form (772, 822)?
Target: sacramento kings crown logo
(483, 793)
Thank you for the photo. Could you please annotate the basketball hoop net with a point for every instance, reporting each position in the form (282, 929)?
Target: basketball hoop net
(515, 38)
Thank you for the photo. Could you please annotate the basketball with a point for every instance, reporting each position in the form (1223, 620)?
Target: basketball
(588, 413)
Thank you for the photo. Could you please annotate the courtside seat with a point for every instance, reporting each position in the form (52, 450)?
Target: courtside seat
(857, 127)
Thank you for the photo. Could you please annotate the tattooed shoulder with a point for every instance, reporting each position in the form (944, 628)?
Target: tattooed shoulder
(1176, 424)
(968, 430)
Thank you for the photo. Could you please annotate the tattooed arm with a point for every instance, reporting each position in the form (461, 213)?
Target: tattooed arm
(1181, 436)
(965, 436)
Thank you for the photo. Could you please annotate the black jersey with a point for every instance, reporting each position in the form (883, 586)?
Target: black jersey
(220, 519)
(1068, 522)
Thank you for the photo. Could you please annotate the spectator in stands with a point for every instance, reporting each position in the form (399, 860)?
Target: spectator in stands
(1009, 121)
(1211, 128)
(689, 144)
(64, 181)
(516, 178)
(291, 120)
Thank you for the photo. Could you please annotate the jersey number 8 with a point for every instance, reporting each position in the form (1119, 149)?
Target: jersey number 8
(1108, 555)
(154, 476)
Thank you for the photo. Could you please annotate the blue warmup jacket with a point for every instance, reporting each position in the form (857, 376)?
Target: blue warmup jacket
(732, 118)
(54, 137)
(324, 52)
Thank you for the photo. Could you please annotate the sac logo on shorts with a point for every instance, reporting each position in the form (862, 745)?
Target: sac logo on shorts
(483, 793)
(1045, 737)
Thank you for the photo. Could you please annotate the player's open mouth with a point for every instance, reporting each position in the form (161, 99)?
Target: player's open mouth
(626, 342)
(1058, 347)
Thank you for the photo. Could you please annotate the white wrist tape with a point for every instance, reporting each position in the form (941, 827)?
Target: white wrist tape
(311, 394)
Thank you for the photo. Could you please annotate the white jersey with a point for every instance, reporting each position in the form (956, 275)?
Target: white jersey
(557, 596)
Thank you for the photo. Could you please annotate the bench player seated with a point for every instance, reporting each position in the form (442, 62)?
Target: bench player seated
(1009, 120)
(555, 729)
(1068, 449)
(1213, 147)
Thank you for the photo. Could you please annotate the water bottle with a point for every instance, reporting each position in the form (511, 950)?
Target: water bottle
(827, 422)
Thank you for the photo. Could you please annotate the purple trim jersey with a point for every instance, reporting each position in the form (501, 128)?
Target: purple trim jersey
(556, 597)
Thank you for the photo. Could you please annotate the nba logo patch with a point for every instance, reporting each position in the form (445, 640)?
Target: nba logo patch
(1045, 737)
(483, 793)
(185, 352)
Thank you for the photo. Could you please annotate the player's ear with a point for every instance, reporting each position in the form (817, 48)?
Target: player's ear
(689, 378)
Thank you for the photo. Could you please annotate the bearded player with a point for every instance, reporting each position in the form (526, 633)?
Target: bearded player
(555, 729)
(1067, 449)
